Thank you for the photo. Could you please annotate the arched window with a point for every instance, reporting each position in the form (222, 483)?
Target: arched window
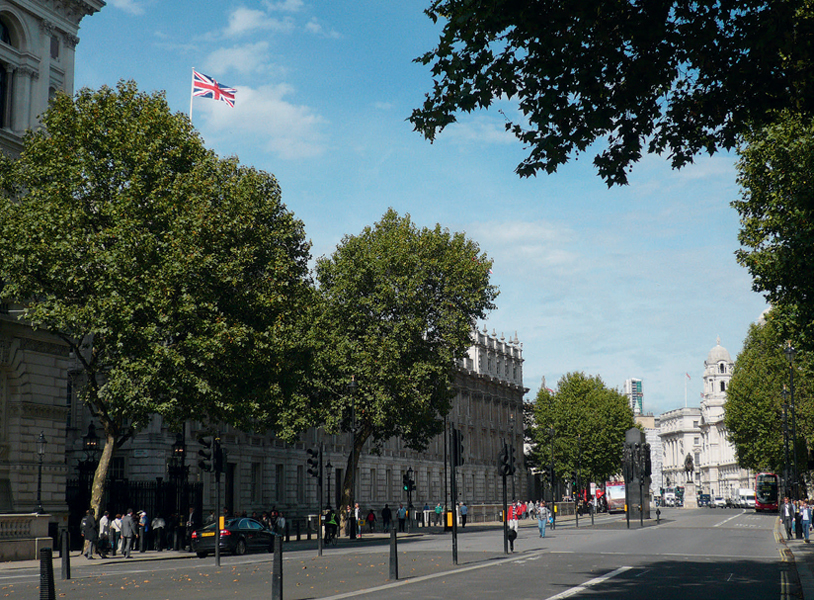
(5, 33)
(722, 368)
(723, 386)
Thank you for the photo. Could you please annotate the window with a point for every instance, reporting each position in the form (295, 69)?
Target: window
(723, 386)
(300, 484)
(116, 468)
(257, 484)
(54, 47)
(279, 483)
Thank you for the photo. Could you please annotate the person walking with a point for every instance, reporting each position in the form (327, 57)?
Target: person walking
(464, 511)
(542, 518)
(104, 535)
(89, 532)
(805, 519)
(371, 520)
(387, 517)
(402, 517)
(143, 528)
(128, 532)
(513, 510)
(787, 512)
(438, 511)
(116, 533)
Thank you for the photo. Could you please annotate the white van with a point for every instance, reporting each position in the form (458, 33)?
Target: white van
(746, 498)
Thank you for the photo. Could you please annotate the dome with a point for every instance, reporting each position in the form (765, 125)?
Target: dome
(718, 354)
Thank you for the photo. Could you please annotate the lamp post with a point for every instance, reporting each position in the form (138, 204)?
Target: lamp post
(551, 478)
(330, 467)
(352, 387)
(511, 422)
(790, 352)
(178, 470)
(785, 408)
(41, 453)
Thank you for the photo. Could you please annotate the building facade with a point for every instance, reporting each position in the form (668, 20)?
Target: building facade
(701, 434)
(635, 398)
(37, 43)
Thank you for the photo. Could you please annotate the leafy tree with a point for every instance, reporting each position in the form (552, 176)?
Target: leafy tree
(674, 77)
(754, 413)
(586, 418)
(398, 306)
(172, 275)
(777, 218)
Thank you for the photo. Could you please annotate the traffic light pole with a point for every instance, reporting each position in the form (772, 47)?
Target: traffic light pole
(319, 503)
(216, 449)
(505, 518)
(453, 486)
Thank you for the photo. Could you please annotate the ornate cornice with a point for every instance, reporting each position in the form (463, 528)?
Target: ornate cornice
(44, 347)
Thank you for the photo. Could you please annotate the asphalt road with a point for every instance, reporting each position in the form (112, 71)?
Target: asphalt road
(696, 554)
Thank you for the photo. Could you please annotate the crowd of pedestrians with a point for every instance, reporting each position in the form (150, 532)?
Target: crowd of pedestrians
(796, 518)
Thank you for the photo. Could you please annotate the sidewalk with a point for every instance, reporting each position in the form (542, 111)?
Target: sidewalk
(801, 556)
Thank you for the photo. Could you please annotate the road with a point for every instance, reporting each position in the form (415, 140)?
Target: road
(692, 553)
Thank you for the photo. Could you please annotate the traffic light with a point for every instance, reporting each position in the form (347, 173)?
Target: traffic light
(457, 448)
(205, 461)
(313, 462)
(219, 456)
(503, 461)
(512, 466)
(405, 480)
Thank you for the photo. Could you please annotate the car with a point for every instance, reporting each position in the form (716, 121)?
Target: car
(238, 536)
(718, 502)
(703, 500)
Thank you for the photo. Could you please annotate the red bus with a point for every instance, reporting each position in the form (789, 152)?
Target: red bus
(766, 489)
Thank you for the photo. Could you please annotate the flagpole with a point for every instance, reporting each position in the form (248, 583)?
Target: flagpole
(191, 96)
(685, 392)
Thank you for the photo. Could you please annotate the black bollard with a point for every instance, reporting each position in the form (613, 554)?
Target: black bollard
(47, 591)
(394, 556)
(277, 570)
(66, 555)
(297, 529)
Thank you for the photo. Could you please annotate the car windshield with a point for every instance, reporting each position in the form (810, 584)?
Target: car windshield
(212, 526)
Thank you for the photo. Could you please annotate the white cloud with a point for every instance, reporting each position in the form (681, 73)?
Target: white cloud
(480, 129)
(244, 20)
(129, 6)
(285, 5)
(264, 118)
(247, 59)
(315, 27)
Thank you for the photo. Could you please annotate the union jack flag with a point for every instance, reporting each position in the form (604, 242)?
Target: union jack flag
(205, 87)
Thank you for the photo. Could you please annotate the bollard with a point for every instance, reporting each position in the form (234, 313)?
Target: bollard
(394, 556)
(47, 591)
(287, 532)
(66, 555)
(277, 570)
(308, 529)
(297, 529)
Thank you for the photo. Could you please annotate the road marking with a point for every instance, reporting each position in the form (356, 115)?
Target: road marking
(729, 519)
(587, 584)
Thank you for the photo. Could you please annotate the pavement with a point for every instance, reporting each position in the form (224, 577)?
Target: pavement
(801, 555)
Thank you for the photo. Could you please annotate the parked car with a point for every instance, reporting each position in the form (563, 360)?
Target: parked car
(703, 500)
(718, 502)
(238, 536)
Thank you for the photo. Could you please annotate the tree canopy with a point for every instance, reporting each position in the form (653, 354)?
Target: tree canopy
(586, 418)
(174, 276)
(754, 413)
(661, 77)
(398, 304)
(777, 218)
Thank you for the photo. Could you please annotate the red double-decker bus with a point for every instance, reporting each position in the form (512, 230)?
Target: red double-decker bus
(766, 490)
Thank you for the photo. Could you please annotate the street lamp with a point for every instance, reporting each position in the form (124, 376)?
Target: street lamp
(352, 387)
(330, 467)
(511, 422)
(785, 408)
(790, 352)
(551, 478)
(90, 442)
(41, 452)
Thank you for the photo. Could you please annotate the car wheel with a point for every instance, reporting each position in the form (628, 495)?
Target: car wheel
(201, 554)
(240, 548)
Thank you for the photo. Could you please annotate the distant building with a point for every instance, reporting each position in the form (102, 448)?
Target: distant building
(650, 424)
(700, 433)
(633, 391)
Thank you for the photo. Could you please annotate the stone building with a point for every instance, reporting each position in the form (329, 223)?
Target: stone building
(37, 42)
(700, 432)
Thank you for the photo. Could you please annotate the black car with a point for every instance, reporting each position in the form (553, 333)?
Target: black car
(239, 536)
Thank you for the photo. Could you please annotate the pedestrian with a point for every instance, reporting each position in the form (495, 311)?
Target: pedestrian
(798, 528)
(143, 528)
(158, 526)
(89, 532)
(402, 517)
(357, 519)
(129, 529)
(331, 525)
(464, 512)
(787, 512)
(104, 535)
(116, 533)
(805, 519)
(438, 511)
(542, 518)
(371, 520)
(387, 517)
(193, 522)
(513, 510)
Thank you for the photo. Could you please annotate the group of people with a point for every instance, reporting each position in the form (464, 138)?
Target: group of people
(107, 536)
(796, 516)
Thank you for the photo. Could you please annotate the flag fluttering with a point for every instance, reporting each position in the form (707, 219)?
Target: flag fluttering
(204, 86)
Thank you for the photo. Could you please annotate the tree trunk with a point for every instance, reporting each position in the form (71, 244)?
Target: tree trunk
(100, 476)
(347, 499)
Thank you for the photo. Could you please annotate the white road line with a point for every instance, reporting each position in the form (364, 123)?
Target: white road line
(587, 584)
(729, 519)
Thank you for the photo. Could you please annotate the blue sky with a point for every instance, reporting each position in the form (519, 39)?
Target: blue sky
(629, 282)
